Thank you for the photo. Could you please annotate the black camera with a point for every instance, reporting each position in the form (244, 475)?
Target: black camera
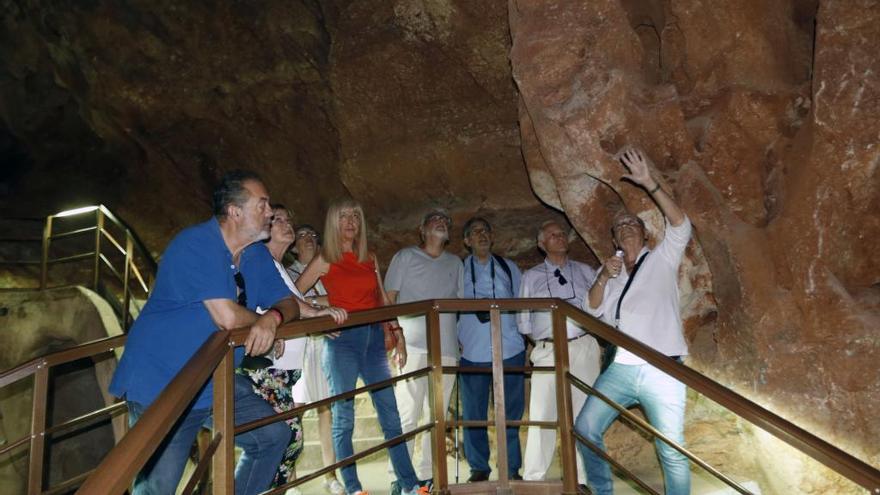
(483, 316)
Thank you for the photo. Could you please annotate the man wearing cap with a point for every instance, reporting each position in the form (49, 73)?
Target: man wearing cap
(417, 273)
(566, 279)
(489, 276)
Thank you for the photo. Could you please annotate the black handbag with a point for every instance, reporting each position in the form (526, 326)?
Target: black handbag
(609, 349)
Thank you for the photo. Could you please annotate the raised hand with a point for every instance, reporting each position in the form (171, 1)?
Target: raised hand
(639, 167)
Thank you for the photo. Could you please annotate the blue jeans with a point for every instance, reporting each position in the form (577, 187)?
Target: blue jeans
(663, 400)
(475, 391)
(263, 447)
(360, 351)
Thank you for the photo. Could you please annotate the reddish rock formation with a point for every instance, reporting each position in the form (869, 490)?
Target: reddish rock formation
(771, 148)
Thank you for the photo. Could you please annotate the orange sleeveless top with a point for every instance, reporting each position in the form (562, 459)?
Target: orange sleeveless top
(352, 285)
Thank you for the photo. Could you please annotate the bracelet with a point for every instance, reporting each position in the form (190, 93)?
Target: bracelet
(278, 313)
(652, 191)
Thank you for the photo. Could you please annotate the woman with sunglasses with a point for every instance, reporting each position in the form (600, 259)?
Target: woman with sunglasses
(313, 385)
(350, 275)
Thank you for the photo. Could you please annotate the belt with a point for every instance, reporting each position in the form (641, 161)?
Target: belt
(570, 340)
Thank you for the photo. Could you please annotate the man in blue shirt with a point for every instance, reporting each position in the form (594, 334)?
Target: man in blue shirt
(210, 278)
(487, 275)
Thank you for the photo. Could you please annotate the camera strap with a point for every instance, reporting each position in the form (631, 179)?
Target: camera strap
(474, 275)
(629, 282)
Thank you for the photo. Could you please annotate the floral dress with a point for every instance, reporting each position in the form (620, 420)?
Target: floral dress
(275, 386)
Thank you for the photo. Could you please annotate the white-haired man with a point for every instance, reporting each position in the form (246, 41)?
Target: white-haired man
(569, 280)
(417, 273)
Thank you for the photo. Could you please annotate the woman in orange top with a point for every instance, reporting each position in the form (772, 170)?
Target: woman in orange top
(349, 274)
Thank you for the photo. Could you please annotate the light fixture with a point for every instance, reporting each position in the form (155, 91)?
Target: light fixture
(75, 211)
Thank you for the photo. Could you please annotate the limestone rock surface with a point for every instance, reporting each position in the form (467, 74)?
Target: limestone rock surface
(764, 128)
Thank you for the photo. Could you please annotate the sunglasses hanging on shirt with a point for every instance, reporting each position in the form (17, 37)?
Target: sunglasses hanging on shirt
(242, 294)
(562, 281)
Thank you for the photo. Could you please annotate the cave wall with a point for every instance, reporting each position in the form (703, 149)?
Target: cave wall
(764, 128)
(143, 105)
(760, 117)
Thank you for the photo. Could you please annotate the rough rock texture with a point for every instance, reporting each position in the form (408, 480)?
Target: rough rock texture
(142, 105)
(37, 323)
(766, 132)
(402, 105)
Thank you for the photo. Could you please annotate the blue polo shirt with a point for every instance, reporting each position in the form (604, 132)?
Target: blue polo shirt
(174, 323)
(475, 337)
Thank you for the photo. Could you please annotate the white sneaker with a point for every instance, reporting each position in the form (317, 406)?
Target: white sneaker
(333, 487)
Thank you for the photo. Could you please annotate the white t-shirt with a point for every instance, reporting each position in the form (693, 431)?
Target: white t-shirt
(417, 276)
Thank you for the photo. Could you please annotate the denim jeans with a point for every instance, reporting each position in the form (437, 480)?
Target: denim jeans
(663, 400)
(475, 391)
(263, 447)
(360, 351)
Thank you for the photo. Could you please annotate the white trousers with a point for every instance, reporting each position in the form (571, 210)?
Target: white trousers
(583, 362)
(412, 400)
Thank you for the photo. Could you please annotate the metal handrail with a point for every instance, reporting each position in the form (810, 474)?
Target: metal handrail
(121, 465)
(820, 450)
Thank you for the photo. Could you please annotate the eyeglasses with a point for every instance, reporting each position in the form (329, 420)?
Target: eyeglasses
(306, 233)
(559, 277)
(561, 280)
(632, 222)
(478, 231)
(242, 294)
(437, 217)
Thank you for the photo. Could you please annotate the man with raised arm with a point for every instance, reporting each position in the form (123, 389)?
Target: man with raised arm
(417, 273)
(557, 276)
(638, 293)
(489, 276)
(210, 280)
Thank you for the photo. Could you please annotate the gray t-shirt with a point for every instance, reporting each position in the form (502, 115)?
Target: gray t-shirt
(417, 276)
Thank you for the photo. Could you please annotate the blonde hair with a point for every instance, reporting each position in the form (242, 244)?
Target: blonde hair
(331, 250)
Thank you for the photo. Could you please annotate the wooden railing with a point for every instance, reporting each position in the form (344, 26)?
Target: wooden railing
(119, 468)
(137, 270)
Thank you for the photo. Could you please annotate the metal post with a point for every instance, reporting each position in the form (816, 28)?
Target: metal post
(224, 425)
(498, 394)
(126, 276)
(563, 401)
(438, 412)
(38, 427)
(44, 259)
(99, 223)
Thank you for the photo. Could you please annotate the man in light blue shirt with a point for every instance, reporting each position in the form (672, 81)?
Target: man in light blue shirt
(489, 276)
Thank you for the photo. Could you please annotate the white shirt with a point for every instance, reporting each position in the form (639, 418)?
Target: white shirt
(292, 359)
(650, 311)
(542, 281)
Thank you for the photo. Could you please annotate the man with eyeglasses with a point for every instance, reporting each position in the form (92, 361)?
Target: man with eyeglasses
(638, 294)
(566, 279)
(489, 276)
(209, 280)
(417, 273)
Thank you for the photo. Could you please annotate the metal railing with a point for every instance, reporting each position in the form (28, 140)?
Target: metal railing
(119, 468)
(107, 251)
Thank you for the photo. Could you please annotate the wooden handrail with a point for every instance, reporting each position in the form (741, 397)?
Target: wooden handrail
(114, 474)
(853, 468)
(122, 464)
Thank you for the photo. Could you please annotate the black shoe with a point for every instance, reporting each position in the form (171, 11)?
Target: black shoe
(515, 476)
(395, 488)
(584, 489)
(479, 476)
